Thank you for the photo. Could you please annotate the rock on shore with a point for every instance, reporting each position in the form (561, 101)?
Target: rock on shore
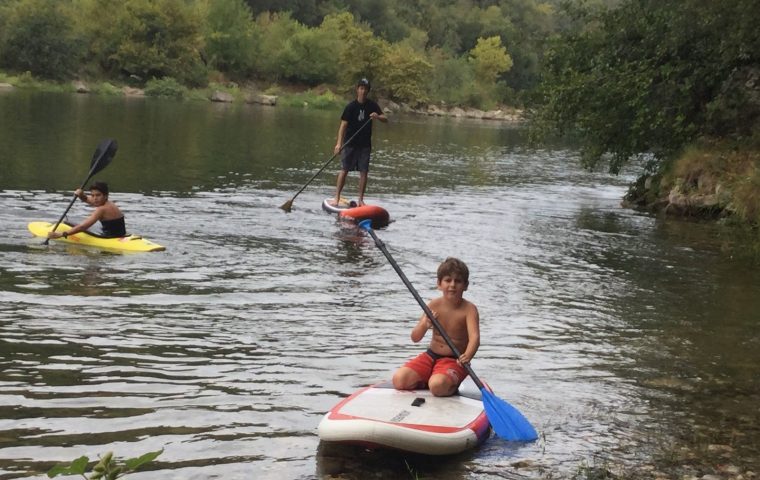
(511, 115)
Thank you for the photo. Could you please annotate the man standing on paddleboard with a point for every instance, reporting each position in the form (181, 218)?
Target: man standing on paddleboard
(356, 126)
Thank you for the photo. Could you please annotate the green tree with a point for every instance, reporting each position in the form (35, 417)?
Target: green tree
(489, 59)
(145, 38)
(452, 79)
(274, 55)
(442, 24)
(639, 78)
(37, 37)
(229, 36)
(310, 56)
(381, 17)
(361, 54)
(306, 12)
(405, 76)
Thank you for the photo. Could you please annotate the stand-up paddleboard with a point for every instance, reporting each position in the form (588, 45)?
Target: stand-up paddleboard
(409, 420)
(349, 210)
(129, 243)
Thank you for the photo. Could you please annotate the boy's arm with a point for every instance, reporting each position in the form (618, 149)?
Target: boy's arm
(473, 335)
(82, 196)
(86, 223)
(423, 325)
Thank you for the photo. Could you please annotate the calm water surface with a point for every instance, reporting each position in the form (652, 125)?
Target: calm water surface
(630, 342)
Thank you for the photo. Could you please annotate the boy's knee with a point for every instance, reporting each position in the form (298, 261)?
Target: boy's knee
(399, 383)
(405, 379)
(442, 386)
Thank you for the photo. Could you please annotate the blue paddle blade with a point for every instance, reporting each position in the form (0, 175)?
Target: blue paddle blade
(506, 420)
(366, 224)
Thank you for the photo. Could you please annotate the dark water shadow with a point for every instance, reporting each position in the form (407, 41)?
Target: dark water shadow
(336, 460)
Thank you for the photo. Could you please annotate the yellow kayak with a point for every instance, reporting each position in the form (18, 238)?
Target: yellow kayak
(130, 243)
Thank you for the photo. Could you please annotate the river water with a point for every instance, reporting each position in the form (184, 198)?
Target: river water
(630, 342)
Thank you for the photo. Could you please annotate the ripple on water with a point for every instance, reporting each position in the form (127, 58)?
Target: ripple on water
(226, 349)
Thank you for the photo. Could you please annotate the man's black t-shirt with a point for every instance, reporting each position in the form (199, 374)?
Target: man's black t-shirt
(357, 114)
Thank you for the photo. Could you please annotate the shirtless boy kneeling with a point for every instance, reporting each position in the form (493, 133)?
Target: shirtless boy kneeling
(437, 367)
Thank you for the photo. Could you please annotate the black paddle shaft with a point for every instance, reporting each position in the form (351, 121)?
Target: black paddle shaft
(424, 306)
(102, 157)
(331, 158)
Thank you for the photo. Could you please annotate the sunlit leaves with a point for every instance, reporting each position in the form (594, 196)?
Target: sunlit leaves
(406, 75)
(489, 58)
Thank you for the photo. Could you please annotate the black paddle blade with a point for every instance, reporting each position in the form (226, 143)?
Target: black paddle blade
(103, 155)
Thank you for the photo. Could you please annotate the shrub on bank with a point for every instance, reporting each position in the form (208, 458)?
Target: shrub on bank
(707, 180)
(106, 89)
(27, 80)
(165, 87)
(327, 100)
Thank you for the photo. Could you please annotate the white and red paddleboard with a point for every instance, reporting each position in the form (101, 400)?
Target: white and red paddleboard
(409, 420)
(348, 210)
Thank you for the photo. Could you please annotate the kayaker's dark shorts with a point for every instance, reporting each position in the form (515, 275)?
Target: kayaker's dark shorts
(425, 366)
(355, 159)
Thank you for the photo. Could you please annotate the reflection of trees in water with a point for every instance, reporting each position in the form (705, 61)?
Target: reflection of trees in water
(687, 317)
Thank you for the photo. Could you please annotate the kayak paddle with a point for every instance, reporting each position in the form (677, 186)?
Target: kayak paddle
(506, 420)
(103, 155)
(289, 204)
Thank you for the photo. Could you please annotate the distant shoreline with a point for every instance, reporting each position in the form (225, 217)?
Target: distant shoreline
(324, 99)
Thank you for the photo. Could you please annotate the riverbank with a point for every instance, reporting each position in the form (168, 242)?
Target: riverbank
(321, 97)
(708, 181)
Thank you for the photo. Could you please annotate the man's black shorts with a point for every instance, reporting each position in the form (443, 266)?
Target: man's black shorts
(355, 159)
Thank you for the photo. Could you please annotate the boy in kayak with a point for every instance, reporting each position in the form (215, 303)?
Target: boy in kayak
(438, 367)
(111, 218)
(356, 116)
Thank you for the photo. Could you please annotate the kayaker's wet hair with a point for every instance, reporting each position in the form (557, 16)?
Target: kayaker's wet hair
(102, 187)
(452, 266)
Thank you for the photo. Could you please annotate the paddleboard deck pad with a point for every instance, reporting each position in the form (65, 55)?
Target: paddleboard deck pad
(350, 211)
(129, 243)
(408, 420)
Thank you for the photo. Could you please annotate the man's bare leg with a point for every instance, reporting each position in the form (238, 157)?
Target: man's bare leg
(362, 187)
(341, 183)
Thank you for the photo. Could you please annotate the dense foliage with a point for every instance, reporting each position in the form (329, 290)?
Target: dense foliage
(653, 76)
(488, 51)
(35, 37)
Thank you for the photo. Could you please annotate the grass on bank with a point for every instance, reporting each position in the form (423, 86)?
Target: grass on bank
(732, 174)
(170, 88)
(26, 80)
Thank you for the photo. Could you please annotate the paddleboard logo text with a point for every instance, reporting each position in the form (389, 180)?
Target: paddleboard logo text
(400, 416)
